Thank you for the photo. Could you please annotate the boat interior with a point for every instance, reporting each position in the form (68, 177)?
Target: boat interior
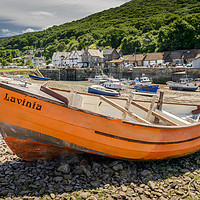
(154, 111)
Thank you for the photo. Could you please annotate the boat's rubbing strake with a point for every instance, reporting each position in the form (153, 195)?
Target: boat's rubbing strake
(145, 142)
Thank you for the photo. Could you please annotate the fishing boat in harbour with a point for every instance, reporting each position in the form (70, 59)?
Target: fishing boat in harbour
(113, 83)
(39, 122)
(98, 89)
(143, 84)
(143, 81)
(98, 79)
(184, 84)
(148, 89)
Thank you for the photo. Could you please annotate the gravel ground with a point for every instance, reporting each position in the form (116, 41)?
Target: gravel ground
(94, 177)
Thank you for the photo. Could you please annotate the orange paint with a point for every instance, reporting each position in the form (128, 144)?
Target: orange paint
(94, 133)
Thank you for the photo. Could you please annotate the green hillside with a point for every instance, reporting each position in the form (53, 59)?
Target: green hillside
(148, 25)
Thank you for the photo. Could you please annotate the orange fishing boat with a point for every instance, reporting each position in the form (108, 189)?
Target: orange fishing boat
(38, 122)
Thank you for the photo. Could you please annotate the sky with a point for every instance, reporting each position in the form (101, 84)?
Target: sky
(22, 16)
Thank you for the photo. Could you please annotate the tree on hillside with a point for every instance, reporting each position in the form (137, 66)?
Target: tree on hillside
(178, 35)
(129, 44)
(148, 43)
(61, 46)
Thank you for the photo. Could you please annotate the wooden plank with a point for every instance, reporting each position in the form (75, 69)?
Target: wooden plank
(142, 93)
(159, 116)
(176, 119)
(151, 108)
(134, 116)
(127, 106)
(159, 105)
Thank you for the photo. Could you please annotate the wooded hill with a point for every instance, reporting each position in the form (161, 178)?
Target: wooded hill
(148, 25)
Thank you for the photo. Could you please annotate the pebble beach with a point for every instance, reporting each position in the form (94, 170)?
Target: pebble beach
(93, 177)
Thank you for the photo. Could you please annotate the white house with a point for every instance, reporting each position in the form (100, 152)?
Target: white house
(61, 59)
(75, 59)
(196, 62)
(39, 61)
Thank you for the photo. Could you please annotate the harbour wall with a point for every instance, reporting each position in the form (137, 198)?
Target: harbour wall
(158, 75)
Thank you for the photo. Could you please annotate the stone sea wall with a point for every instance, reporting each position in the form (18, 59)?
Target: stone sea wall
(158, 75)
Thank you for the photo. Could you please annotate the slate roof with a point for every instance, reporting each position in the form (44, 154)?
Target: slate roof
(108, 51)
(154, 56)
(190, 54)
(95, 53)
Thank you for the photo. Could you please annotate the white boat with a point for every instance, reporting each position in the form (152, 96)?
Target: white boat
(142, 81)
(184, 84)
(98, 79)
(113, 84)
(15, 77)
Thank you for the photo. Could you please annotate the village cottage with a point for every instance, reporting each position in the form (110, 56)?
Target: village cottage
(110, 54)
(93, 58)
(60, 59)
(154, 59)
(36, 61)
(75, 59)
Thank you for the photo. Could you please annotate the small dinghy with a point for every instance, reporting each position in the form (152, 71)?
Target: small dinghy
(98, 89)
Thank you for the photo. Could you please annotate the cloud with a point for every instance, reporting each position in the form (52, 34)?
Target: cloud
(29, 30)
(7, 32)
(38, 14)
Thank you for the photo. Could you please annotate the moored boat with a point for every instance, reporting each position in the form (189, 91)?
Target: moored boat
(98, 79)
(143, 81)
(114, 84)
(149, 89)
(98, 89)
(38, 122)
(183, 84)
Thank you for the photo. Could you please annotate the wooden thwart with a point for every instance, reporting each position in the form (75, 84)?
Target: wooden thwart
(134, 116)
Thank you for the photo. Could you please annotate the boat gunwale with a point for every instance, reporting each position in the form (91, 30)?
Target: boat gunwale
(134, 123)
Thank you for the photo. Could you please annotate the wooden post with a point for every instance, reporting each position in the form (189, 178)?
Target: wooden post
(151, 108)
(127, 106)
(159, 105)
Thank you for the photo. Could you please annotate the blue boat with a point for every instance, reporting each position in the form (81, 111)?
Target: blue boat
(149, 89)
(98, 89)
(38, 78)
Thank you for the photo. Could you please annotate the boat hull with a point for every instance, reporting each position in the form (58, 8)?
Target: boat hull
(64, 130)
(178, 86)
(102, 92)
(30, 145)
(149, 89)
(38, 78)
(183, 88)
